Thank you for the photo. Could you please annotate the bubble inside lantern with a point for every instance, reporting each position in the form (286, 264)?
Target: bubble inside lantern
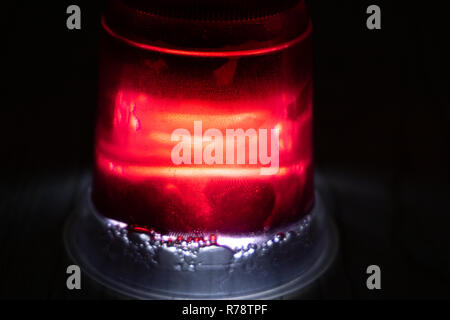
(203, 151)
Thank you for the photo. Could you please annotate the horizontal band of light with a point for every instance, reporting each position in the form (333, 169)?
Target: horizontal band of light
(142, 171)
(209, 54)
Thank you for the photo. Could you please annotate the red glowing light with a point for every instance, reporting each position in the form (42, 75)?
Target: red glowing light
(153, 100)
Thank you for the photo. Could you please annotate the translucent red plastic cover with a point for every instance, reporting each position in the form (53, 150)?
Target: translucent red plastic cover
(196, 143)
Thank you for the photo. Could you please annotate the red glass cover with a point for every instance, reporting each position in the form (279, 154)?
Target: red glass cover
(204, 139)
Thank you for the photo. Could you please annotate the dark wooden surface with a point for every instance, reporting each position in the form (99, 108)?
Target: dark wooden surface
(381, 142)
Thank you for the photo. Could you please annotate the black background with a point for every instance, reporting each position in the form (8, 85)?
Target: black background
(381, 143)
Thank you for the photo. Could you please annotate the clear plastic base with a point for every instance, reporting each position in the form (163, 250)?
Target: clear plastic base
(270, 265)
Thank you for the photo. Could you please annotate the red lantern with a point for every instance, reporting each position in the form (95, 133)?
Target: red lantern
(203, 178)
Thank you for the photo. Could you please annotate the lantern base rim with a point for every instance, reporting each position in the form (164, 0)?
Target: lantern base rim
(274, 265)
